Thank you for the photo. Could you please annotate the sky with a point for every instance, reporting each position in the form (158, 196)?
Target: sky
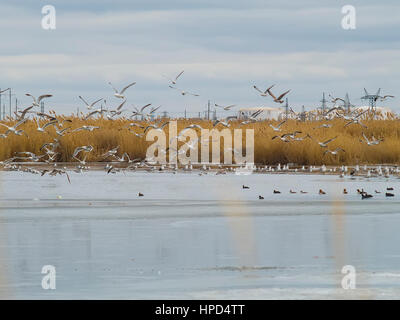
(224, 47)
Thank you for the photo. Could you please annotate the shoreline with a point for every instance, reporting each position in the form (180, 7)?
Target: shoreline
(234, 168)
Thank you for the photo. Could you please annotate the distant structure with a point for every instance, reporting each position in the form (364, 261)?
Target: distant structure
(323, 101)
(165, 114)
(287, 109)
(347, 104)
(7, 95)
(371, 98)
(267, 114)
(303, 114)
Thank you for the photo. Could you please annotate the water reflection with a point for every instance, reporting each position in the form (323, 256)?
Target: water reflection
(116, 258)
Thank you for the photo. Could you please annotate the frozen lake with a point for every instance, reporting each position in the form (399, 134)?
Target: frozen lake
(197, 237)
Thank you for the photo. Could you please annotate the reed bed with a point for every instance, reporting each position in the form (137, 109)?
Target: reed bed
(266, 150)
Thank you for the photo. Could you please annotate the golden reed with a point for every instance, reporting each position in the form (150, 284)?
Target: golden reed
(267, 151)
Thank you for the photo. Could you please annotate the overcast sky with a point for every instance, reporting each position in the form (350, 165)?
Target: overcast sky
(225, 47)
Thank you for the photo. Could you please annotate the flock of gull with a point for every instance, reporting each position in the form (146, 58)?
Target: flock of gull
(63, 126)
(336, 111)
(353, 119)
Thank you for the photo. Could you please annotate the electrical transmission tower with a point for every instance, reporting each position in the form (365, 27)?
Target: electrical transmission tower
(323, 101)
(371, 98)
(3, 108)
(287, 109)
(347, 104)
(303, 113)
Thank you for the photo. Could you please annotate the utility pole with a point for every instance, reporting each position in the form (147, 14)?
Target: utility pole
(347, 103)
(208, 110)
(185, 113)
(16, 107)
(287, 109)
(324, 101)
(3, 109)
(9, 97)
(303, 113)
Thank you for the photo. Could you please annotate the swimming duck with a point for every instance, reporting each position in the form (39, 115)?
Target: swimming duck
(365, 195)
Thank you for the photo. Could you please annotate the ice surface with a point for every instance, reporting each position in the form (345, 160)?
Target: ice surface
(194, 236)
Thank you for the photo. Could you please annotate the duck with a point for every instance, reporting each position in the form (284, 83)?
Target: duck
(301, 191)
(388, 194)
(389, 189)
(277, 191)
(245, 187)
(345, 191)
(321, 191)
(291, 191)
(261, 197)
(140, 194)
(365, 195)
(376, 191)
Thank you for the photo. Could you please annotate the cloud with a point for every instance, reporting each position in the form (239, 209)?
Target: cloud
(223, 47)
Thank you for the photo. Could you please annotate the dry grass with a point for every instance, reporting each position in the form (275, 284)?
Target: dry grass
(267, 151)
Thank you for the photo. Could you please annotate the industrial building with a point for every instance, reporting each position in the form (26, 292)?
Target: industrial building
(267, 114)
